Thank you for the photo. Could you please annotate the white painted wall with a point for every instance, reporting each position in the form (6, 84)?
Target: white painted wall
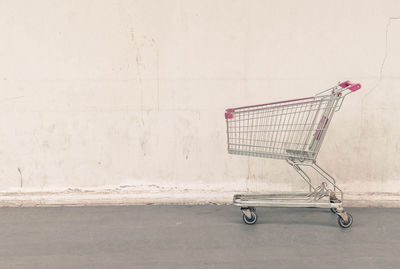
(104, 94)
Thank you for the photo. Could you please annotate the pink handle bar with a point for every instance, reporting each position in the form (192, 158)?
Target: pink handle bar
(345, 85)
(351, 86)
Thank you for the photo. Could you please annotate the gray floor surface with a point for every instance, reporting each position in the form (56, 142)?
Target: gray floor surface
(196, 237)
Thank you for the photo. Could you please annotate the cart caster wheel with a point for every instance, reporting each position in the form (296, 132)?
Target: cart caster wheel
(252, 209)
(252, 220)
(344, 224)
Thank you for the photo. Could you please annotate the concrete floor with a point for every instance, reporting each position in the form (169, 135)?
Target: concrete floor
(196, 237)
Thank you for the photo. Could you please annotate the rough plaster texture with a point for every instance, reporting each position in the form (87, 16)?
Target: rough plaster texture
(104, 95)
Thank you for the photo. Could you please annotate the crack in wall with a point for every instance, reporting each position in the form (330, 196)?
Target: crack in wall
(364, 118)
(11, 98)
(389, 22)
(386, 44)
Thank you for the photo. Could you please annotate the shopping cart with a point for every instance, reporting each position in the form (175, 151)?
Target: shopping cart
(291, 130)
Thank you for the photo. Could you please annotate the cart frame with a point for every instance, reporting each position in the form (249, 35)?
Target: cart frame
(292, 130)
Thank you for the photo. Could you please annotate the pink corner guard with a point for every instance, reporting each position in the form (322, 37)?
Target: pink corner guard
(229, 113)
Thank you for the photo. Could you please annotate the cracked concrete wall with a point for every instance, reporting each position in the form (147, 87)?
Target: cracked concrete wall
(104, 94)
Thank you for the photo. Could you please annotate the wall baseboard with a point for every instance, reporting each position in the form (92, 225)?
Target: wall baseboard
(143, 196)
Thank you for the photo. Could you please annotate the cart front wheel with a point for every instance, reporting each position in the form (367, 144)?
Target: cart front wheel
(343, 223)
(252, 220)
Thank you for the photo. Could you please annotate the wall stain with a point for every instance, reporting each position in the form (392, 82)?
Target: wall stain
(144, 141)
(21, 178)
(158, 73)
(138, 70)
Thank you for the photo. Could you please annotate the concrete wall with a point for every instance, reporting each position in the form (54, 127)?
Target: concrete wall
(114, 95)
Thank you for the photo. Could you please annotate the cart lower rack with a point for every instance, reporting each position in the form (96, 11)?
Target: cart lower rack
(290, 130)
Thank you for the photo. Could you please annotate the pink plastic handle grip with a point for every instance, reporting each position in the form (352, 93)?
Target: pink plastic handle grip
(354, 87)
(345, 84)
(351, 86)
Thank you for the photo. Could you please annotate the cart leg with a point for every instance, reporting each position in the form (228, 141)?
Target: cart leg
(246, 211)
(328, 177)
(320, 171)
(344, 216)
(344, 220)
(333, 198)
(303, 174)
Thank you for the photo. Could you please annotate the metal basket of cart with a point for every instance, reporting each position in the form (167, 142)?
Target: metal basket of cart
(291, 130)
